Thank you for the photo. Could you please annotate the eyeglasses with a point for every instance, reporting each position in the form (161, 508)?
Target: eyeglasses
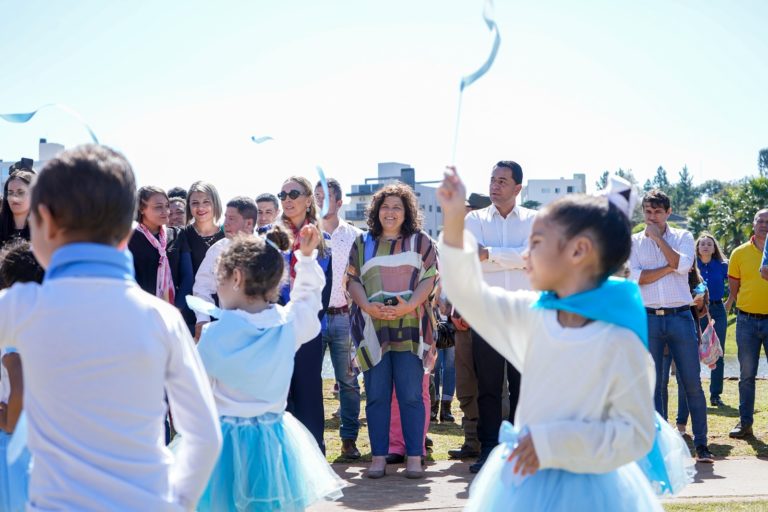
(293, 194)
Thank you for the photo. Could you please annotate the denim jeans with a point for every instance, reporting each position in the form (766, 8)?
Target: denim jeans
(717, 312)
(445, 373)
(405, 371)
(679, 333)
(396, 441)
(336, 339)
(751, 334)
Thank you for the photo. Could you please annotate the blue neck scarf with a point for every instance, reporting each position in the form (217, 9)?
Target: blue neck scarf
(91, 260)
(616, 301)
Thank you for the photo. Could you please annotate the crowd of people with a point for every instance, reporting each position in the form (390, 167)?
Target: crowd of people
(210, 330)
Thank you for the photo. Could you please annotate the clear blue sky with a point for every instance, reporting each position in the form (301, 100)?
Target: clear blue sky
(577, 87)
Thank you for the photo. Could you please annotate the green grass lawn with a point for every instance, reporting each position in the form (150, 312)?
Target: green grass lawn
(448, 436)
(726, 506)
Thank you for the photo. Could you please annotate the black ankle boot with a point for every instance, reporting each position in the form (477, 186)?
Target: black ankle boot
(445, 412)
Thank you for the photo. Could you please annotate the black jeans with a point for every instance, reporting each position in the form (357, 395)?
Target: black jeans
(489, 368)
(305, 398)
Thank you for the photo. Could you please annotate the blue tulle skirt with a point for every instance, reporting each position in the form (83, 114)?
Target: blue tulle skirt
(557, 490)
(14, 479)
(267, 463)
(672, 468)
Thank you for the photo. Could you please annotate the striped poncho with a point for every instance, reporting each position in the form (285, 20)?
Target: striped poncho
(390, 268)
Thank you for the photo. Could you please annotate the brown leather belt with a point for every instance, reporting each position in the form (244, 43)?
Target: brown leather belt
(343, 310)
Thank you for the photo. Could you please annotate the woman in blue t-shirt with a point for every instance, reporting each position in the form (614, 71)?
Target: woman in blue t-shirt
(714, 270)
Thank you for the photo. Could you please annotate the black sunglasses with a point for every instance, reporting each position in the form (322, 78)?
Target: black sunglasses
(293, 194)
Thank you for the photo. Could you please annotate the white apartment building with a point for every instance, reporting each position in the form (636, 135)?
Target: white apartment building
(546, 191)
(390, 172)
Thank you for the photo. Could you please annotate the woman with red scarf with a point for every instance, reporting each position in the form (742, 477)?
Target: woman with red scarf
(305, 398)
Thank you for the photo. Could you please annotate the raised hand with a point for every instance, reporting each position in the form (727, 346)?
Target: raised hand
(309, 239)
(450, 195)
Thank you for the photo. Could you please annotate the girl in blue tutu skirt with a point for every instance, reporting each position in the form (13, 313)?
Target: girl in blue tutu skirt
(269, 461)
(17, 265)
(585, 413)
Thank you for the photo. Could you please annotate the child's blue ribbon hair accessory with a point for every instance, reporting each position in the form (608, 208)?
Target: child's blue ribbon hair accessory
(622, 194)
(273, 244)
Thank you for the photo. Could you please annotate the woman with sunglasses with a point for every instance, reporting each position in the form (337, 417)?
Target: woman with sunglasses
(14, 212)
(305, 398)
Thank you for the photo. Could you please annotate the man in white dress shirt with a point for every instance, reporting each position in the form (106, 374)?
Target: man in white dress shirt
(502, 231)
(336, 326)
(239, 218)
(660, 261)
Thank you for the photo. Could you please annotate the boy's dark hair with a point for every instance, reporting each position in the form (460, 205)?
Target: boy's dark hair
(90, 191)
(144, 194)
(597, 217)
(263, 266)
(18, 264)
(7, 224)
(245, 206)
(332, 185)
(268, 197)
(656, 199)
(517, 171)
(177, 192)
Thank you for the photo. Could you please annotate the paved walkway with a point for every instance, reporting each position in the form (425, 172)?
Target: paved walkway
(446, 483)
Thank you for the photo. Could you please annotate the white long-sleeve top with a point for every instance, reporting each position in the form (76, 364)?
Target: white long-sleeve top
(672, 290)
(586, 393)
(301, 311)
(99, 357)
(205, 279)
(506, 240)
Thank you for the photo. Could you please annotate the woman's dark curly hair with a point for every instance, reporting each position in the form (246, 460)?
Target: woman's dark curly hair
(413, 220)
(263, 266)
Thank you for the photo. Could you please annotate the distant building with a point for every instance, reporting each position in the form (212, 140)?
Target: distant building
(546, 191)
(46, 151)
(390, 172)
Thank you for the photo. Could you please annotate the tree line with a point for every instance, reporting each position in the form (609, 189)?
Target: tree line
(724, 208)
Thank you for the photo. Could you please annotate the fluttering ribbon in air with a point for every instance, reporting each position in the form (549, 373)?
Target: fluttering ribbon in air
(323, 182)
(326, 197)
(26, 116)
(466, 81)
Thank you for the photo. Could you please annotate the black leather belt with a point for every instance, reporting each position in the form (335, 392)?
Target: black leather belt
(757, 316)
(716, 301)
(338, 311)
(667, 311)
